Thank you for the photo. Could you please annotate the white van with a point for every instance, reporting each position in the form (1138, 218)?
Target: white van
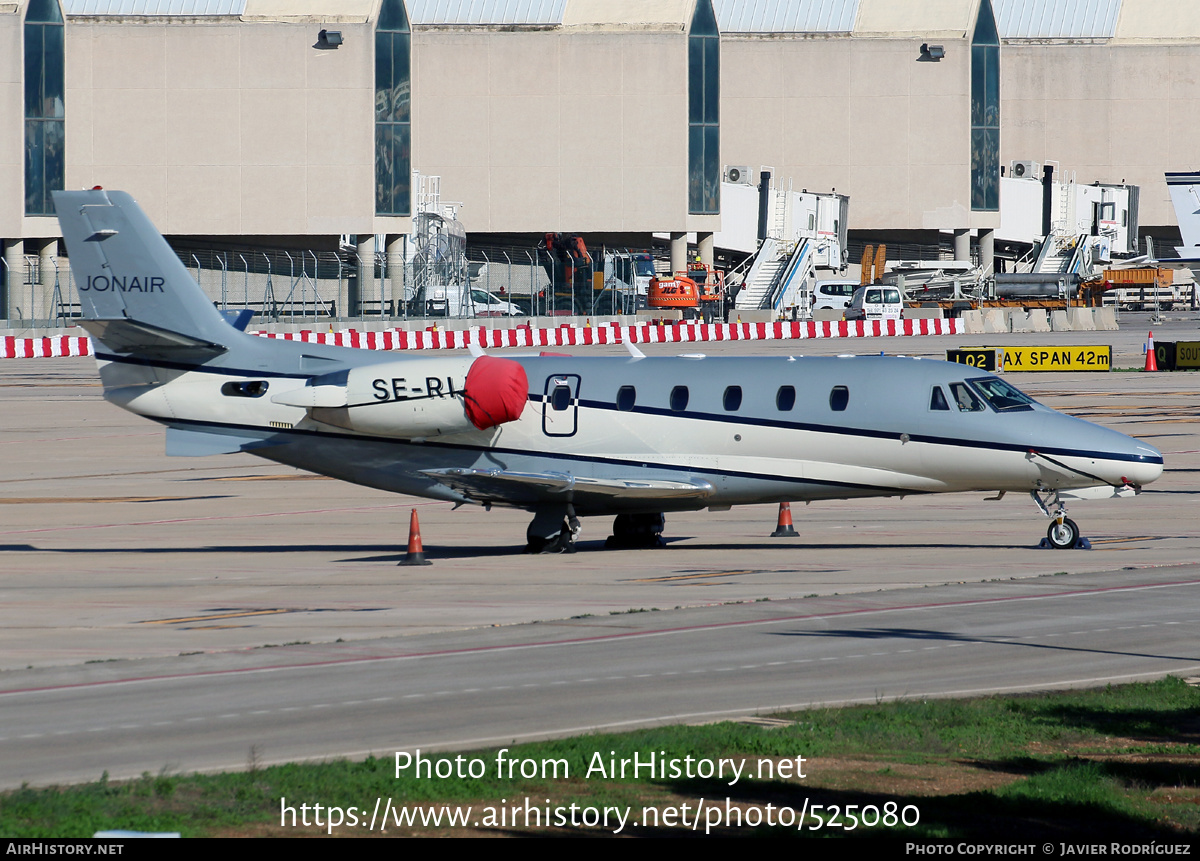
(834, 293)
(874, 302)
(455, 301)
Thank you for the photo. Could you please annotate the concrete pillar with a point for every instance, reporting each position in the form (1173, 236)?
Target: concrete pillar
(363, 287)
(962, 243)
(47, 273)
(678, 252)
(987, 250)
(14, 276)
(705, 241)
(395, 272)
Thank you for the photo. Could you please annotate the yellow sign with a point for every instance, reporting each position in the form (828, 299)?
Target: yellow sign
(1187, 354)
(1057, 358)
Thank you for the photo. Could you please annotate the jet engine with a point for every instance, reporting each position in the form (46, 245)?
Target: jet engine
(415, 397)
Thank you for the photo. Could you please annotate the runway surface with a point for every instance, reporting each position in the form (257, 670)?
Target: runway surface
(137, 594)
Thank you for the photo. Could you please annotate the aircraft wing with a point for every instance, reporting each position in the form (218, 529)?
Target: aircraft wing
(528, 488)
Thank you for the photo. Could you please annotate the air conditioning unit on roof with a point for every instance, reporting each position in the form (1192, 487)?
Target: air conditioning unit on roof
(739, 173)
(1026, 170)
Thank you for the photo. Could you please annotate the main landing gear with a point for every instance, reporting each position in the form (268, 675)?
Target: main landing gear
(554, 530)
(1063, 533)
(636, 530)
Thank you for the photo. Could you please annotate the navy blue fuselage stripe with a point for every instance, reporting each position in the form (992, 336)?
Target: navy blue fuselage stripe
(869, 433)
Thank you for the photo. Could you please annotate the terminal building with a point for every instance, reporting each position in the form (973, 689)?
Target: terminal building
(291, 123)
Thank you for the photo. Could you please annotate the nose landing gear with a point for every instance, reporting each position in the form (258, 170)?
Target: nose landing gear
(1063, 533)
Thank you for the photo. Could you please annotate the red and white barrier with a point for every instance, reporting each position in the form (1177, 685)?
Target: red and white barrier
(44, 348)
(528, 337)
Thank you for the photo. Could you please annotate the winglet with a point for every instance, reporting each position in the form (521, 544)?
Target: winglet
(633, 350)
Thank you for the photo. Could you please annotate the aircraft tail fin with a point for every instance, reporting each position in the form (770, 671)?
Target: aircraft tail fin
(135, 294)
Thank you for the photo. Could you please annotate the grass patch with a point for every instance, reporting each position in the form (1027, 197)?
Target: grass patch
(1115, 763)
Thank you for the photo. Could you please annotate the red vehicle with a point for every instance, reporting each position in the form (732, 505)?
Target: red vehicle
(701, 292)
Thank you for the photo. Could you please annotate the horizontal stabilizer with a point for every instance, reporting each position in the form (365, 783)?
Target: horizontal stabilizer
(527, 488)
(193, 443)
(131, 337)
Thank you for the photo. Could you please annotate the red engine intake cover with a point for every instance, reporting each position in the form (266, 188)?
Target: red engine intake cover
(495, 392)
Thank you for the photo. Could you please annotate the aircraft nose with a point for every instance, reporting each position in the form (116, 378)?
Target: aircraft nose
(1107, 454)
(1121, 459)
(1145, 465)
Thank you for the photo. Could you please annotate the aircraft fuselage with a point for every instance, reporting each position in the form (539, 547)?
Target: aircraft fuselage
(750, 429)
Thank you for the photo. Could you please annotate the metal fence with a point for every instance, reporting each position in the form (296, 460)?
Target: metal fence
(323, 286)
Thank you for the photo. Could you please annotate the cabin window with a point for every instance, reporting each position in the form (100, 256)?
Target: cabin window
(937, 401)
(838, 398)
(626, 398)
(245, 389)
(967, 400)
(733, 398)
(785, 398)
(560, 398)
(679, 398)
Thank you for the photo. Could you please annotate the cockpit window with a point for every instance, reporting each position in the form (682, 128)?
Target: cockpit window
(967, 400)
(937, 401)
(1001, 396)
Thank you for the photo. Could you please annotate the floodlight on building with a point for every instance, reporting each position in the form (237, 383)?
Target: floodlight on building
(328, 39)
(932, 53)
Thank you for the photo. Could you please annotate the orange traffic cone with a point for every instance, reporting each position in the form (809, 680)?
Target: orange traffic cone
(416, 553)
(785, 528)
(1151, 359)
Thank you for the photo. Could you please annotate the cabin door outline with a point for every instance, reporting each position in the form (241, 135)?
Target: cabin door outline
(560, 405)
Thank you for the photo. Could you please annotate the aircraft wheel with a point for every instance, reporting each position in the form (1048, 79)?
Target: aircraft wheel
(553, 530)
(636, 530)
(1062, 536)
(564, 542)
